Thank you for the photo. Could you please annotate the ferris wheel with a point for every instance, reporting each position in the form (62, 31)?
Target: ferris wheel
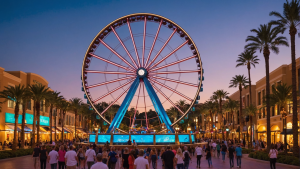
(143, 61)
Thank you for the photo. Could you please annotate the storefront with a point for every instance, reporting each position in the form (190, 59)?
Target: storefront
(262, 133)
(275, 134)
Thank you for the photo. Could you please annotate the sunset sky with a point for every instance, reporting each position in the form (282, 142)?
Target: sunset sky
(50, 38)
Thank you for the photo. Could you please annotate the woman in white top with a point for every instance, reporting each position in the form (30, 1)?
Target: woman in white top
(179, 159)
(273, 156)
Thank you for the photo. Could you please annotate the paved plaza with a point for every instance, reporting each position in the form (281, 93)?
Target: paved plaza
(26, 162)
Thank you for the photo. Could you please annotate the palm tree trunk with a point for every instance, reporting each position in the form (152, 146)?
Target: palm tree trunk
(75, 121)
(293, 32)
(55, 125)
(250, 94)
(62, 125)
(23, 124)
(15, 142)
(38, 121)
(250, 142)
(50, 116)
(266, 56)
(240, 113)
(33, 125)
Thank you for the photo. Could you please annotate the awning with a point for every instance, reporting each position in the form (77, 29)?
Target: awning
(42, 130)
(80, 130)
(27, 129)
(10, 127)
(57, 130)
(70, 131)
(46, 128)
(65, 131)
(288, 131)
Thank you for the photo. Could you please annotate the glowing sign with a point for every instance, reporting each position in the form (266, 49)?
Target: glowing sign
(142, 138)
(121, 138)
(184, 138)
(104, 138)
(165, 138)
(92, 138)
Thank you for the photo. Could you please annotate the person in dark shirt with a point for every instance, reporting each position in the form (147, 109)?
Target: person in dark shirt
(36, 155)
(231, 151)
(208, 156)
(149, 150)
(129, 142)
(168, 158)
(223, 151)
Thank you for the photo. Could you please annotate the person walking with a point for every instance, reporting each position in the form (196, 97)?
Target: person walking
(224, 150)
(90, 156)
(168, 158)
(36, 156)
(61, 157)
(81, 156)
(131, 159)
(214, 145)
(238, 152)
(99, 164)
(71, 158)
(187, 158)
(231, 152)
(199, 155)
(125, 156)
(218, 149)
(43, 157)
(179, 159)
(141, 162)
(112, 158)
(208, 156)
(52, 158)
(153, 156)
(273, 156)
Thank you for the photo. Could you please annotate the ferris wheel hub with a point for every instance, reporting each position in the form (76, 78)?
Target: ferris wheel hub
(141, 72)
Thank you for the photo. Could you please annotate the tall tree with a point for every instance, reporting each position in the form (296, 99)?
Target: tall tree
(220, 95)
(266, 39)
(75, 104)
(39, 93)
(250, 111)
(26, 98)
(248, 58)
(291, 20)
(240, 81)
(64, 106)
(51, 100)
(16, 94)
(232, 105)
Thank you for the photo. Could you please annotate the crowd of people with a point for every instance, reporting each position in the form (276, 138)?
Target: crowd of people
(67, 154)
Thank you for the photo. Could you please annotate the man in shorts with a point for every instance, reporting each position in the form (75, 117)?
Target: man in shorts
(36, 155)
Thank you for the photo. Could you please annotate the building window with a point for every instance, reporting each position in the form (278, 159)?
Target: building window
(259, 98)
(259, 114)
(29, 105)
(10, 103)
(263, 94)
(273, 111)
(243, 99)
(264, 113)
(248, 100)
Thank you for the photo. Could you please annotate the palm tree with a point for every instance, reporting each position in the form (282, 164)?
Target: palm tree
(250, 111)
(266, 39)
(26, 98)
(172, 113)
(57, 104)
(248, 58)
(39, 93)
(51, 100)
(232, 105)
(131, 113)
(75, 104)
(220, 95)
(281, 95)
(210, 107)
(240, 81)
(15, 94)
(64, 106)
(291, 20)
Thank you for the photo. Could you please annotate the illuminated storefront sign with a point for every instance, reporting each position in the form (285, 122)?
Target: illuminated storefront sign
(10, 118)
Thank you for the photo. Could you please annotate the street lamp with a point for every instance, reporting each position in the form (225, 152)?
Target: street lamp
(188, 128)
(96, 139)
(284, 115)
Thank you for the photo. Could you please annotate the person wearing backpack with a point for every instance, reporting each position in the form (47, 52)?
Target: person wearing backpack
(187, 158)
(224, 150)
(273, 156)
(112, 158)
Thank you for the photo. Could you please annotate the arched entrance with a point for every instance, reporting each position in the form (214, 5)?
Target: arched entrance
(275, 134)
(261, 132)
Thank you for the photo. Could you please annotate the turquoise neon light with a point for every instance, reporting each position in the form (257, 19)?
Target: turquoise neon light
(10, 118)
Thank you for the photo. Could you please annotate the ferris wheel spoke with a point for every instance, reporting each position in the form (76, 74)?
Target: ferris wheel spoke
(166, 98)
(108, 72)
(173, 63)
(133, 61)
(144, 40)
(115, 89)
(175, 81)
(112, 81)
(145, 105)
(180, 46)
(173, 72)
(116, 53)
(154, 41)
(137, 102)
(110, 62)
(173, 90)
(162, 48)
(132, 38)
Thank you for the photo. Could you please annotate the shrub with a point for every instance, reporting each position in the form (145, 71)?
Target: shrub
(16, 153)
(281, 158)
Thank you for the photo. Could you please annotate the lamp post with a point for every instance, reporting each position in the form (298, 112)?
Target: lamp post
(283, 114)
(96, 139)
(177, 129)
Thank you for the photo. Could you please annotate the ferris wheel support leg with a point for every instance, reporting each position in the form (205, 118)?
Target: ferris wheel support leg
(157, 105)
(124, 106)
